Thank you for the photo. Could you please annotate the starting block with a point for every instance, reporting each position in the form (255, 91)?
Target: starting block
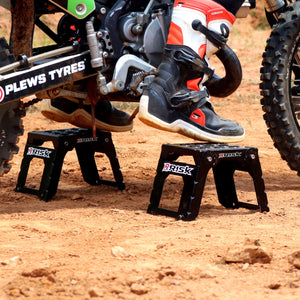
(224, 159)
(63, 141)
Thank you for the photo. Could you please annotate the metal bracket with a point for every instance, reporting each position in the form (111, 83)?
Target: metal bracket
(121, 71)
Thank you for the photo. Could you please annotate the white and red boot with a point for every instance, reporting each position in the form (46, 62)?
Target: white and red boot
(175, 101)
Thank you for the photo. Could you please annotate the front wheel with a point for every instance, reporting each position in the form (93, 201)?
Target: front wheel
(280, 85)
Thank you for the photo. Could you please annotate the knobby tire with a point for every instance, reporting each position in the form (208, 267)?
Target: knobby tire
(280, 85)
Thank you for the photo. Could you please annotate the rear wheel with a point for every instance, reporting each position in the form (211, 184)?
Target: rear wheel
(280, 86)
(10, 129)
(11, 126)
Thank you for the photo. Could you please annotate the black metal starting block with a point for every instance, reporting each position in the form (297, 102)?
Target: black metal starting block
(224, 159)
(63, 141)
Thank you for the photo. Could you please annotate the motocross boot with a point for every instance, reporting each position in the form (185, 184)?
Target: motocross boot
(176, 100)
(168, 103)
(107, 117)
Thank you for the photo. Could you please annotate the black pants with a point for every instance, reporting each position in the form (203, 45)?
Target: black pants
(231, 5)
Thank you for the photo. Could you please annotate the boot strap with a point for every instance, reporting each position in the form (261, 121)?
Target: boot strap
(187, 56)
(185, 98)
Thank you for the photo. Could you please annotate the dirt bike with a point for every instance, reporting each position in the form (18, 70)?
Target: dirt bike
(280, 79)
(107, 48)
(102, 49)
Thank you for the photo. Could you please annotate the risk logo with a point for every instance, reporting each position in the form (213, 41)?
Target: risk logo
(230, 154)
(45, 153)
(87, 140)
(178, 169)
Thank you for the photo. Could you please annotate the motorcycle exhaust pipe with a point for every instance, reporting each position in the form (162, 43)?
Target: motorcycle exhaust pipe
(223, 87)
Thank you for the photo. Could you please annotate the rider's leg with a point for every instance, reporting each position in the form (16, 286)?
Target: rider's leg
(193, 115)
(107, 116)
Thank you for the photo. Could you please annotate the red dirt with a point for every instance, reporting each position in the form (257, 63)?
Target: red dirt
(99, 242)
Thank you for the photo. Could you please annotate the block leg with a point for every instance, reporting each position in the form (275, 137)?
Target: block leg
(259, 185)
(225, 186)
(87, 164)
(158, 185)
(192, 195)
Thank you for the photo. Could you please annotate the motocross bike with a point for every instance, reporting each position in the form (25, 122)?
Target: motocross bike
(102, 49)
(280, 79)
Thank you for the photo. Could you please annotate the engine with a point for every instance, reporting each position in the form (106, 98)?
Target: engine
(144, 35)
(122, 31)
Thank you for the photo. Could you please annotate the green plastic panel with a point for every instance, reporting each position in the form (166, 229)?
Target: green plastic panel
(77, 8)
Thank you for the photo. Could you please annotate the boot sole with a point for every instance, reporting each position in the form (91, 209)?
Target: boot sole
(79, 118)
(182, 127)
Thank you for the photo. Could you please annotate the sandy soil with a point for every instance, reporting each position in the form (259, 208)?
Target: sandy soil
(99, 242)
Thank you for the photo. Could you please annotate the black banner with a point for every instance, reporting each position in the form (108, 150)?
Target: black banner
(41, 77)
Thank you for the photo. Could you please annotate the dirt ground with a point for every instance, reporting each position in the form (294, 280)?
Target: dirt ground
(99, 242)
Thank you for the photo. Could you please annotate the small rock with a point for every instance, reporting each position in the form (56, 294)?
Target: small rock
(76, 197)
(250, 255)
(51, 278)
(160, 246)
(207, 271)
(15, 293)
(95, 293)
(255, 242)
(131, 279)
(116, 290)
(12, 261)
(207, 274)
(41, 272)
(25, 291)
(74, 281)
(142, 141)
(294, 259)
(139, 289)
(78, 291)
(165, 272)
(118, 251)
(274, 286)
(32, 185)
(293, 285)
